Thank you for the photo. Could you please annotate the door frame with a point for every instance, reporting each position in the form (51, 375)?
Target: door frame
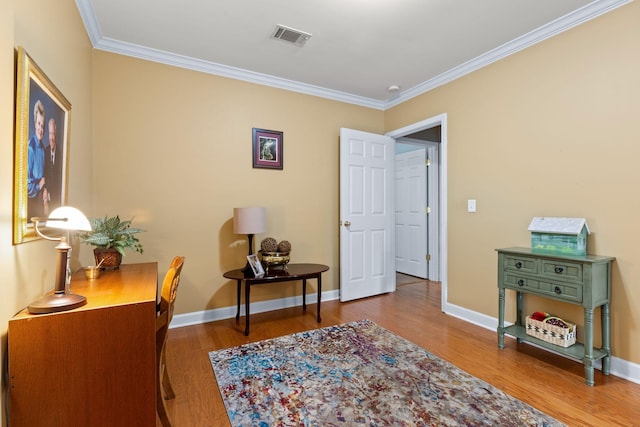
(439, 120)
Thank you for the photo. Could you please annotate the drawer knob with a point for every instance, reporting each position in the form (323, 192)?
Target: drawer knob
(518, 264)
(558, 270)
(521, 282)
(557, 290)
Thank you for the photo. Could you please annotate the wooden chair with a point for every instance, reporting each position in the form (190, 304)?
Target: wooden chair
(168, 294)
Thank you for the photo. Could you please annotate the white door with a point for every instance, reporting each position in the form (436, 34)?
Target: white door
(367, 260)
(411, 213)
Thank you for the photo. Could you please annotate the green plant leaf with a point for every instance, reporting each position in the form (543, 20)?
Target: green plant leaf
(111, 232)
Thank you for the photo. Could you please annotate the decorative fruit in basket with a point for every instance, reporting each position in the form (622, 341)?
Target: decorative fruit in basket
(539, 316)
(556, 322)
(269, 244)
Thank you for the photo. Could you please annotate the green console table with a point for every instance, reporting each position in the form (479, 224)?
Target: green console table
(581, 280)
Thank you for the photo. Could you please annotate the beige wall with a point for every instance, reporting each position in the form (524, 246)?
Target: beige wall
(550, 131)
(173, 150)
(54, 36)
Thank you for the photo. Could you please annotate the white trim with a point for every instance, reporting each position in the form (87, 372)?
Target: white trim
(439, 120)
(573, 19)
(200, 317)
(619, 367)
(553, 28)
(88, 15)
(163, 57)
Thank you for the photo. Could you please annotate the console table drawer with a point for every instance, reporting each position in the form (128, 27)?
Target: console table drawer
(521, 263)
(564, 291)
(518, 282)
(562, 270)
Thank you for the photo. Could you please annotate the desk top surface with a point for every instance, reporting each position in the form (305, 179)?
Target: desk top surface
(131, 284)
(292, 272)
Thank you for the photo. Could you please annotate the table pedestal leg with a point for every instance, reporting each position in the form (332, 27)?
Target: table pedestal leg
(606, 338)
(304, 294)
(247, 292)
(319, 294)
(588, 346)
(238, 286)
(501, 318)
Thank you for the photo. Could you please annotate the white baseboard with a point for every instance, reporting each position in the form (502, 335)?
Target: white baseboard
(205, 316)
(619, 367)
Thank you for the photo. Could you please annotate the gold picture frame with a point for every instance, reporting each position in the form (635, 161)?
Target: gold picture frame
(40, 155)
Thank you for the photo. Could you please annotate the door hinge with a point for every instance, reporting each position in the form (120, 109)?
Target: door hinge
(428, 257)
(428, 210)
(427, 162)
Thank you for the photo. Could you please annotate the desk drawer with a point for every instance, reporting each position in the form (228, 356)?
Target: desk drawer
(561, 270)
(521, 263)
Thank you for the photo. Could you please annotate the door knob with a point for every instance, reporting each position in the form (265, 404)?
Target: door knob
(347, 223)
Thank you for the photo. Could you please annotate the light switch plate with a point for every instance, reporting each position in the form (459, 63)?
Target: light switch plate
(471, 205)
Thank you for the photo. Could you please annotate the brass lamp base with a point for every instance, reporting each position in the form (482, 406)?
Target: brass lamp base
(57, 302)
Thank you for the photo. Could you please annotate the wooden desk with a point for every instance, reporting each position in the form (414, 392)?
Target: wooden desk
(92, 366)
(292, 272)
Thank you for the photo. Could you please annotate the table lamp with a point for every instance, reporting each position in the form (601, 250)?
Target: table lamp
(69, 219)
(249, 221)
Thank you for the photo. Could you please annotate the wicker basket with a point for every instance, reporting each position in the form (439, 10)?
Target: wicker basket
(564, 337)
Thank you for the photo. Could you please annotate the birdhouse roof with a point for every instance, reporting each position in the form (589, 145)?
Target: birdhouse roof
(545, 224)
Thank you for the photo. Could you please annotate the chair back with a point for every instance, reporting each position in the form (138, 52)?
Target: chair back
(164, 315)
(169, 289)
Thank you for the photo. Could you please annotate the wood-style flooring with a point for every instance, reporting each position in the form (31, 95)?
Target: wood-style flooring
(551, 383)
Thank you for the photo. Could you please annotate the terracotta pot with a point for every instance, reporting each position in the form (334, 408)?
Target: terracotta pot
(111, 258)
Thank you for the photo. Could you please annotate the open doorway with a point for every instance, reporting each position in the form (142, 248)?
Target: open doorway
(417, 163)
(431, 134)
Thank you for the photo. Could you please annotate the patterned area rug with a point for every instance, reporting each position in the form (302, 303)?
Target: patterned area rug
(357, 374)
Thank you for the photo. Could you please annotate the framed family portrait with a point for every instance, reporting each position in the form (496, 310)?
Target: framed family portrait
(256, 266)
(267, 149)
(41, 147)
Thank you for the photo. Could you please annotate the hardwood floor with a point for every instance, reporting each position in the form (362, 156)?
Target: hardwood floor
(551, 383)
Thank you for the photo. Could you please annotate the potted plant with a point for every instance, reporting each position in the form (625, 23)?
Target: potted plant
(111, 237)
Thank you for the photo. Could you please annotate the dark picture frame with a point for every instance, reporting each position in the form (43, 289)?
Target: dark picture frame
(267, 149)
(41, 148)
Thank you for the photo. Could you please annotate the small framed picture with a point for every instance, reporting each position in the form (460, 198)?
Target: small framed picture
(267, 149)
(256, 267)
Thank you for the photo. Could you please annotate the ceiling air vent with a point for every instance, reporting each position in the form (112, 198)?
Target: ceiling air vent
(290, 35)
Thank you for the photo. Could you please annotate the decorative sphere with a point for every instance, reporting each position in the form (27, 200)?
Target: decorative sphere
(284, 246)
(269, 244)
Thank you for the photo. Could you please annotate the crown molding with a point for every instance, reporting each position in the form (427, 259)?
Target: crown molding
(208, 67)
(553, 28)
(564, 23)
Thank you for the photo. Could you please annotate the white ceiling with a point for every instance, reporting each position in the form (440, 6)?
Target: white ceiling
(357, 50)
